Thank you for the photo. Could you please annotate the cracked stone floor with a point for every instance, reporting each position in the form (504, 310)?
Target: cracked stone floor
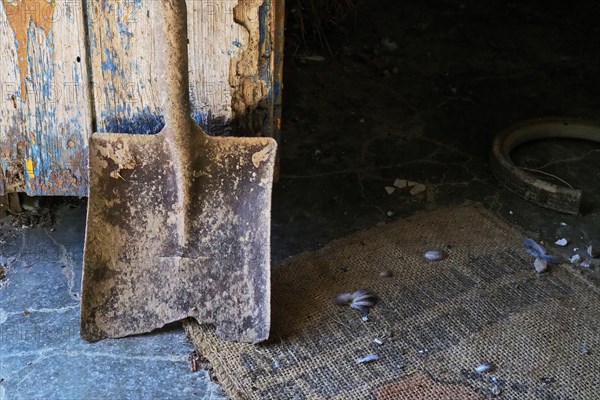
(425, 110)
(41, 353)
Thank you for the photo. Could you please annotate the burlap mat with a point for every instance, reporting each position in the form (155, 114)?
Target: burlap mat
(437, 320)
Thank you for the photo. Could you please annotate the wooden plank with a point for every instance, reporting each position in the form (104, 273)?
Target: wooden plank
(230, 65)
(49, 105)
(127, 71)
(214, 41)
(124, 64)
(45, 138)
(11, 112)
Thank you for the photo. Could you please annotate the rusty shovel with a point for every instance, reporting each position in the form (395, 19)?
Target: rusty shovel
(178, 223)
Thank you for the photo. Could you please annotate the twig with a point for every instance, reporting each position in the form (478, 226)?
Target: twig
(537, 171)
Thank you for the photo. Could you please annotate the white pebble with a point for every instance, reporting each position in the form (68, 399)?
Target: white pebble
(435, 255)
(561, 242)
(417, 189)
(377, 341)
(390, 189)
(486, 367)
(400, 183)
(540, 265)
(367, 358)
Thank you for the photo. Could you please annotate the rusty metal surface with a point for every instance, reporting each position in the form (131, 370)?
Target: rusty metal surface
(179, 222)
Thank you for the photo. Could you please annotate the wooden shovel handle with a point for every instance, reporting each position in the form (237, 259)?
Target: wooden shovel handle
(175, 42)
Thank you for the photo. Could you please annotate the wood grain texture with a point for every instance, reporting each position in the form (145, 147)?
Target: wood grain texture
(44, 137)
(56, 90)
(231, 63)
(215, 39)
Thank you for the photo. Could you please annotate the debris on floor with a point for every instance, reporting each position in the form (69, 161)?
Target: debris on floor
(575, 259)
(590, 263)
(593, 250)
(361, 300)
(197, 361)
(389, 46)
(537, 250)
(315, 57)
(540, 265)
(417, 189)
(435, 254)
(368, 358)
(386, 273)
(584, 350)
(561, 242)
(400, 183)
(495, 391)
(485, 367)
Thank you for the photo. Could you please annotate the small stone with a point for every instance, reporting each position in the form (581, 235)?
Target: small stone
(561, 242)
(593, 251)
(411, 183)
(540, 265)
(495, 391)
(485, 367)
(364, 318)
(417, 189)
(390, 213)
(435, 255)
(362, 121)
(400, 183)
(575, 259)
(377, 341)
(386, 273)
(390, 189)
(590, 263)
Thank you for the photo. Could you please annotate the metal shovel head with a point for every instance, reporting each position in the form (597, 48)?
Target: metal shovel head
(150, 261)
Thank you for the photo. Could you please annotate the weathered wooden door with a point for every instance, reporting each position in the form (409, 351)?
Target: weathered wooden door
(71, 67)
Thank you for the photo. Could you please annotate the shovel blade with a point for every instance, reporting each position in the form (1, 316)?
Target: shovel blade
(138, 277)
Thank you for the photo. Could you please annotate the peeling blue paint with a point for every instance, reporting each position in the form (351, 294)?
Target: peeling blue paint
(124, 29)
(144, 122)
(108, 64)
(263, 25)
(76, 75)
(201, 118)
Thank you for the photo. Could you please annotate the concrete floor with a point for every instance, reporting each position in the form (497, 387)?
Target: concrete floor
(425, 111)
